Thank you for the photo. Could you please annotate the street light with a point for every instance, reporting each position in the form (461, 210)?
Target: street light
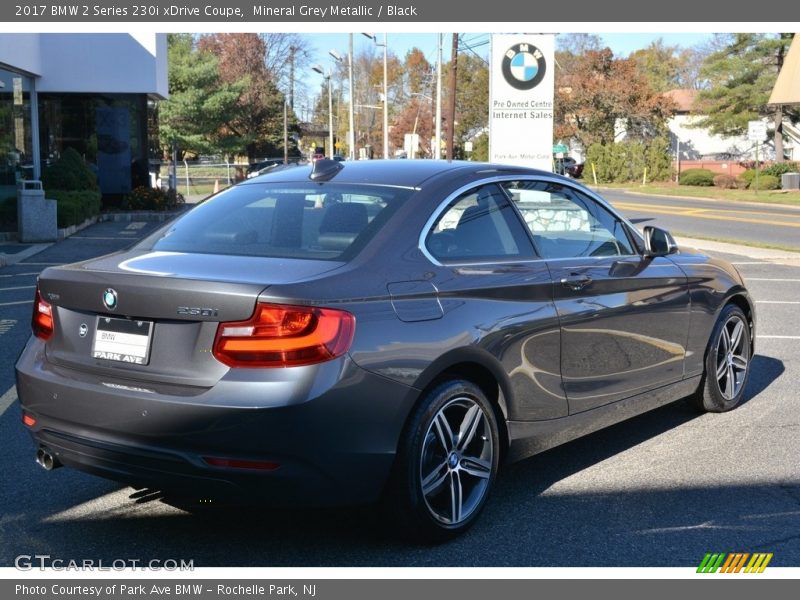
(338, 58)
(327, 76)
(385, 93)
(351, 133)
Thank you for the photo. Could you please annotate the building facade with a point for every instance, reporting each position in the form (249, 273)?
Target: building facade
(90, 92)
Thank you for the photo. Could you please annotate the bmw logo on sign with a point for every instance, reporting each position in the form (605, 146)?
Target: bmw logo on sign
(110, 299)
(523, 66)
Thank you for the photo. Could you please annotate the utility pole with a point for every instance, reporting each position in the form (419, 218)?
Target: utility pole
(285, 133)
(385, 101)
(451, 108)
(437, 151)
(291, 76)
(352, 134)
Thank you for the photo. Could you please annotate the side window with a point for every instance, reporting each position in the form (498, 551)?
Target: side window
(478, 225)
(567, 224)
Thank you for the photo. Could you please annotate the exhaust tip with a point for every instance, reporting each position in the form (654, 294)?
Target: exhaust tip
(46, 460)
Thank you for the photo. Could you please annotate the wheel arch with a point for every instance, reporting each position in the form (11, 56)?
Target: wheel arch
(742, 299)
(482, 369)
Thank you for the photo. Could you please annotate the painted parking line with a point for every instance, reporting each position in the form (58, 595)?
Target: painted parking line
(772, 279)
(778, 337)
(19, 287)
(18, 302)
(777, 302)
(135, 225)
(8, 399)
(20, 274)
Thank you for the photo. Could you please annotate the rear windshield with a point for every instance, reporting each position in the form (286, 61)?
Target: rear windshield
(324, 221)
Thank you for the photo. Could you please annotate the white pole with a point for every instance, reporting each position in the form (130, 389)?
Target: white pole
(437, 152)
(385, 102)
(351, 134)
(330, 117)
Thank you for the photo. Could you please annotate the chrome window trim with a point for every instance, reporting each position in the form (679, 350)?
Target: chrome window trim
(632, 231)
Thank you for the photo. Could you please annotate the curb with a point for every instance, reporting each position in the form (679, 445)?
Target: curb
(782, 257)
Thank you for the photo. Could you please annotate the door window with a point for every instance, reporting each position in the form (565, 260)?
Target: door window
(567, 224)
(478, 225)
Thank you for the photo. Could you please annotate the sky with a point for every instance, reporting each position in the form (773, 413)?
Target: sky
(622, 44)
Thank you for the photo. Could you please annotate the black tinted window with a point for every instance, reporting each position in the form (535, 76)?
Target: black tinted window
(478, 225)
(320, 221)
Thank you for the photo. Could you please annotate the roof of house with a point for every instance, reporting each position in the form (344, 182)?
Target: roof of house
(683, 99)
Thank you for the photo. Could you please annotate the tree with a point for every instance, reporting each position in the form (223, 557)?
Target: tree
(415, 117)
(472, 97)
(741, 76)
(199, 103)
(662, 66)
(417, 72)
(256, 127)
(600, 96)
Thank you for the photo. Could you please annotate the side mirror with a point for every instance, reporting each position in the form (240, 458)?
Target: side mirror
(658, 242)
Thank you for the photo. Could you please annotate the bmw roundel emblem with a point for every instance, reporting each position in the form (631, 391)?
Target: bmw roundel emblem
(524, 66)
(110, 299)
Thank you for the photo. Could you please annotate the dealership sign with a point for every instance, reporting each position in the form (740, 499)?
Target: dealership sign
(521, 100)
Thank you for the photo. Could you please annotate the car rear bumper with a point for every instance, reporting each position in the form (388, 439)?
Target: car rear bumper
(333, 432)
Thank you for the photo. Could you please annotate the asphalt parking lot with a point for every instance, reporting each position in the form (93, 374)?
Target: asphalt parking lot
(660, 490)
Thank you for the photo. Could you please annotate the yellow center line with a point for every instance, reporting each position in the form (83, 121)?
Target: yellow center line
(665, 210)
(645, 205)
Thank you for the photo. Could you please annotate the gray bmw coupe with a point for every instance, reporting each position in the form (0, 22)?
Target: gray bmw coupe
(374, 330)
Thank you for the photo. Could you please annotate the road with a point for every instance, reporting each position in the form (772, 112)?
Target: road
(660, 490)
(751, 223)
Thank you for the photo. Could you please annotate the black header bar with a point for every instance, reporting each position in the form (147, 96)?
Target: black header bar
(400, 11)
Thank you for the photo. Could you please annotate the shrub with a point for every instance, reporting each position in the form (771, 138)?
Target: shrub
(726, 182)
(700, 177)
(626, 161)
(748, 176)
(778, 169)
(147, 198)
(73, 208)
(767, 182)
(70, 173)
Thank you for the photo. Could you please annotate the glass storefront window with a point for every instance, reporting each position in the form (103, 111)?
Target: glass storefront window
(108, 130)
(15, 132)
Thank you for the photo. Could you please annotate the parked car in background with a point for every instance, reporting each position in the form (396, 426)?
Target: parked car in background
(374, 330)
(568, 167)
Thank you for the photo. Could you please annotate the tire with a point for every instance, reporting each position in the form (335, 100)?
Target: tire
(727, 366)
(446, 464)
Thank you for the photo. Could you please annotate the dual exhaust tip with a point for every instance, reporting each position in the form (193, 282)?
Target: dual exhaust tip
(46, 460)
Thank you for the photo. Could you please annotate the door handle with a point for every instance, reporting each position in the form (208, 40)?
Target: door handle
(576, 282)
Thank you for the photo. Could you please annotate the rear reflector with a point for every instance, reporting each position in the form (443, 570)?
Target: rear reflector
(42, 319)
(28, 420)
(235, 463)
(285, 336)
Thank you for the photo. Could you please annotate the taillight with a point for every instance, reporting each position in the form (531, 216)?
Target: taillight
(285, 336)
(42, 319)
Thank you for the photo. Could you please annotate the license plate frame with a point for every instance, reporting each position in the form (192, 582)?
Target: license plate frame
(126, 341)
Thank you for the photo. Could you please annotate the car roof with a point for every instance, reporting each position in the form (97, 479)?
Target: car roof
(401, 173)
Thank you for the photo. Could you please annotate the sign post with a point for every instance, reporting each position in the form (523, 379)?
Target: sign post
(521, 100)
(756, 132)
